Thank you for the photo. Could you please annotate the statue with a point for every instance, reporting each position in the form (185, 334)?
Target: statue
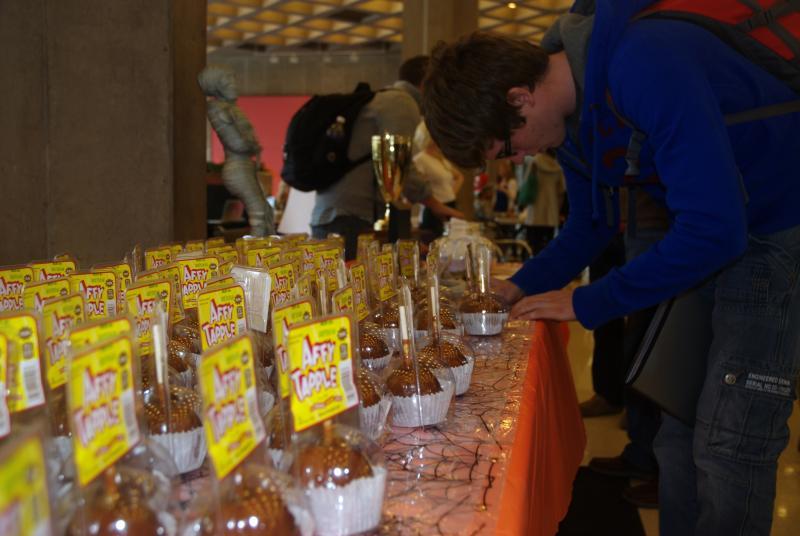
(240, 143)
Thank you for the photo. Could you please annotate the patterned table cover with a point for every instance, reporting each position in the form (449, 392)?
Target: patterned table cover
(449, 479)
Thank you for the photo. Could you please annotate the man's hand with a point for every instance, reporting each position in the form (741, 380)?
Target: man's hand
(507, 290)
(554, 305)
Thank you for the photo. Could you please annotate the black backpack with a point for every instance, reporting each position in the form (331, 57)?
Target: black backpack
(318, 137)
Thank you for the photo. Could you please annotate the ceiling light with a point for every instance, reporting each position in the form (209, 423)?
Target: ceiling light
(274, 59)
(294, 59)
(512, 5)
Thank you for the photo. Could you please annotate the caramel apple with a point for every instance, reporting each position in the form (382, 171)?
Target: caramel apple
(368, 391)
(372, 345)
(254, 506)
(451, 355)
(333, 463)
(403, 381)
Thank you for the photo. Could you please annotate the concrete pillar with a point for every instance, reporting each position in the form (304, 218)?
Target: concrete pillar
(425, 23)
(98, 125)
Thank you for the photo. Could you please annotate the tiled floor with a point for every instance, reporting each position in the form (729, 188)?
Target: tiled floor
(605, 438)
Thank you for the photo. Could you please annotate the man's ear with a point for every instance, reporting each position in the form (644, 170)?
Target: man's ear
(519, 95)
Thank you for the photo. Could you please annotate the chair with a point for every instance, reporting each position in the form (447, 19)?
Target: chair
(511, 250)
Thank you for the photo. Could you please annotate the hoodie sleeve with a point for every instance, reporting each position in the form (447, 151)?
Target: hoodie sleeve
(578, 243)
(667, 95)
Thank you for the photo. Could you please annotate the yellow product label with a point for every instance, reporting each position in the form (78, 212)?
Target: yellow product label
(24, 501)
(221, 315)
(358, 278)
(194, 275)
(407, 257)
(230, 409)
(309, 262)
(385, 276)
(102, 406)
(327, 260)
(170, 272)
(175, 249)
(282, 276)
(48, 270)
(36, 294)
(225, 254)
(304, 285)
(25, 390)
(321, 370)
(225, 268)
(157, 257)
(282, 319)
(124, 279)
(221, 282)
(99, 290)
(258, 256)
(343, 300)
(12, 286)
(194, 245)
(102, 330)
(364, 240)
(215, 242)
(142, 306)
(245, 245)
(5, 418)
(59, 316)
(295, 256)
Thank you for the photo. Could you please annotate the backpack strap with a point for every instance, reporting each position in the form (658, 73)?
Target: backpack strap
(769, 18)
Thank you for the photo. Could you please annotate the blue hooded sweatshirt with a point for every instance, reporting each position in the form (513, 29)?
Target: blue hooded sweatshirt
(675, 81)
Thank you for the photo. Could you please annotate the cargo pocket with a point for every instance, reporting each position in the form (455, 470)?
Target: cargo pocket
(749, 423)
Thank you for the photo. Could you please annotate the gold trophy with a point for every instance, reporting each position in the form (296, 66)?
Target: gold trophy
(391, 154)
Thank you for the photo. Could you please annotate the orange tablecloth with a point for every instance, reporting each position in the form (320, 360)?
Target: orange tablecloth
(550, 440)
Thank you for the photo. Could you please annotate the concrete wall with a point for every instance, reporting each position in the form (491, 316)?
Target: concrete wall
(88, 159)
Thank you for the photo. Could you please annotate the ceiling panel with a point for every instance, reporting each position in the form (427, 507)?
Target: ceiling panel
(286, 25)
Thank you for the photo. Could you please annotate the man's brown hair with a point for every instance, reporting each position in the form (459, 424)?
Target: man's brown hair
(465, 93)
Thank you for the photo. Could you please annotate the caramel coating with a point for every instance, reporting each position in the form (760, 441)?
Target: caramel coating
(120, 511)
(391, 317)
(333, 463)
(177, 352)
(403, 382)
(368, 391)
(446, 317)
(451, 355)
(372, 345)
(183, 404)
(481, 303)
(256, 503)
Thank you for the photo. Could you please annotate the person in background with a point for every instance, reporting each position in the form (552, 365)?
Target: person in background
(350, 206)
(731, 192)
(540, 197)
(445, 180)
(242, 150)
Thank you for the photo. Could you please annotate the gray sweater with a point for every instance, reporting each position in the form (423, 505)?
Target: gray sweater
(356, 194)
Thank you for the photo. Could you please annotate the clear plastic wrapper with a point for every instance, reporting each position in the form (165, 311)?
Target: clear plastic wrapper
(171, 411)
(250, 497)
(421, 396)
(343, 476)
(27, 506)
(482, 312)
(124, 480)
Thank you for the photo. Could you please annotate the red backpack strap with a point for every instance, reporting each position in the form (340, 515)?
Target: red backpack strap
(768, 36)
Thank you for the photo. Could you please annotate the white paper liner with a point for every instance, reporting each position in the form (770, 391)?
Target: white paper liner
(188, 449)
(303, 519)
(483, 323)
(463, 375)
(168, 522)
(352, 509)
(434, 408)
(266, 401)
(372, 420)
(377, 363)
(194, 358)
